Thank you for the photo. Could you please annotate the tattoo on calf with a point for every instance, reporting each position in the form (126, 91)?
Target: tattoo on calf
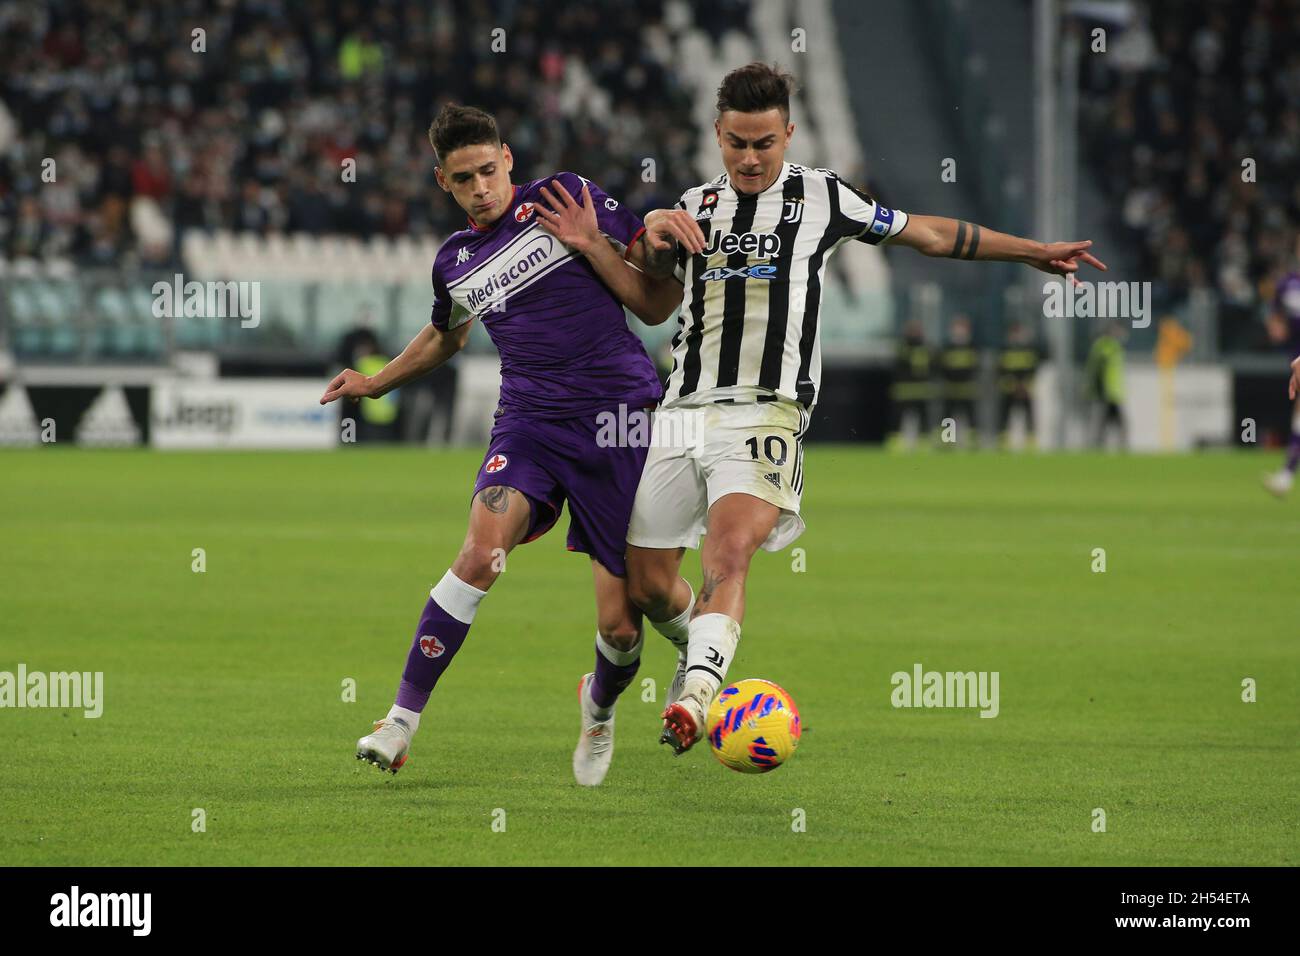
(711, 582)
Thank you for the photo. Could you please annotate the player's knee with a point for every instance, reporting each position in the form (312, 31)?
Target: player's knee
(731, 551)
(479, 562)
(649, 591)
(621, 634)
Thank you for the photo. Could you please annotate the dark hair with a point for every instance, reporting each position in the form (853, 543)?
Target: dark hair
(457, 126)
(756, 88)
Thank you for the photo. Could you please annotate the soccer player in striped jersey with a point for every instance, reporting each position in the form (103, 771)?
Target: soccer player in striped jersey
(747, 360)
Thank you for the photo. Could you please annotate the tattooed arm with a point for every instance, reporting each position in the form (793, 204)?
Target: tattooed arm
(655, 253)
(953, 239)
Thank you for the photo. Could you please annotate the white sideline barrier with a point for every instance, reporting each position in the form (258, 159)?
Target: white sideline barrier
(241, 413)
(1199, 409)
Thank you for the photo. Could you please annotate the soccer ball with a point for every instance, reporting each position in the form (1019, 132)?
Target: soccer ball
(753, 726)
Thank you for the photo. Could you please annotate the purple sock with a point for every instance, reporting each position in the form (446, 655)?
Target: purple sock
(1293, 452)
(443, 627)
(613, 676)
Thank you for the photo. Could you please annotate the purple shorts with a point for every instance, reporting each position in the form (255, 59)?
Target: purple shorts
(550, 461)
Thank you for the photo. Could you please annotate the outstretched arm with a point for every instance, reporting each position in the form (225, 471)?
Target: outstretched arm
(954, 239)
(429, 349)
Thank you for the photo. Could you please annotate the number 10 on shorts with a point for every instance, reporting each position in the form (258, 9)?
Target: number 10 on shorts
(774, 447)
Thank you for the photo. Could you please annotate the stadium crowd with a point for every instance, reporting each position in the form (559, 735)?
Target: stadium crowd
(1170, 112)
(154, 128)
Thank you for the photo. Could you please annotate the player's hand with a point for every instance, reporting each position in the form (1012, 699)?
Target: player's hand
(348, 383)
(664, 226)
(1063, 258)
(573, 224)
(1295, 379)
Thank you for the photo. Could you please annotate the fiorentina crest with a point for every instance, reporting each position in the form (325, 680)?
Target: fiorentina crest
(431, 646)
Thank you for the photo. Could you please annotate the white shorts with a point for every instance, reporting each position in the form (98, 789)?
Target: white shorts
(700, 453)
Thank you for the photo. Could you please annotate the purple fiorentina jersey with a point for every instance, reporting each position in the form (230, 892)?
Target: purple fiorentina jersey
(1287, 304)
(566, 349)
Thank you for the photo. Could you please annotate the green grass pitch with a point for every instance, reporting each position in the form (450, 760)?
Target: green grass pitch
(224, 689)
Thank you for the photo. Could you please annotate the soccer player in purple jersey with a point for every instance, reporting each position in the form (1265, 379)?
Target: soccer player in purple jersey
(1284, 328)
(567, 356)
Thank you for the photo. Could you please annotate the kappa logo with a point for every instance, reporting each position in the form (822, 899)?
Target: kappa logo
(524, 212)
(495, 464)
(431, 647)
(463, 256)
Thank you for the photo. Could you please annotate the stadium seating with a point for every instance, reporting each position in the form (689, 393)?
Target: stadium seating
(324, 260)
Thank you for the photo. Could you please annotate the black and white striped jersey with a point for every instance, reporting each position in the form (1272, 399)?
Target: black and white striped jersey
(748, 327)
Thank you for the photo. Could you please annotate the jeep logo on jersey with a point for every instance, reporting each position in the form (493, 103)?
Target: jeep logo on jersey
(760, 245)
(431, 646)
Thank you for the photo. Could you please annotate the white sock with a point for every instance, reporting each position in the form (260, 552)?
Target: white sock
(411, 717)
(712, 646)
(618, 659)
(677, 630)
(614, 655)
(457, 598)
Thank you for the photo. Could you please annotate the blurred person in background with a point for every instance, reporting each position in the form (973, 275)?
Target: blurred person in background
(912, 388)
(1017, 366)
(1284, 332)
(1103, 379)
(958, 369)
(378, 419)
